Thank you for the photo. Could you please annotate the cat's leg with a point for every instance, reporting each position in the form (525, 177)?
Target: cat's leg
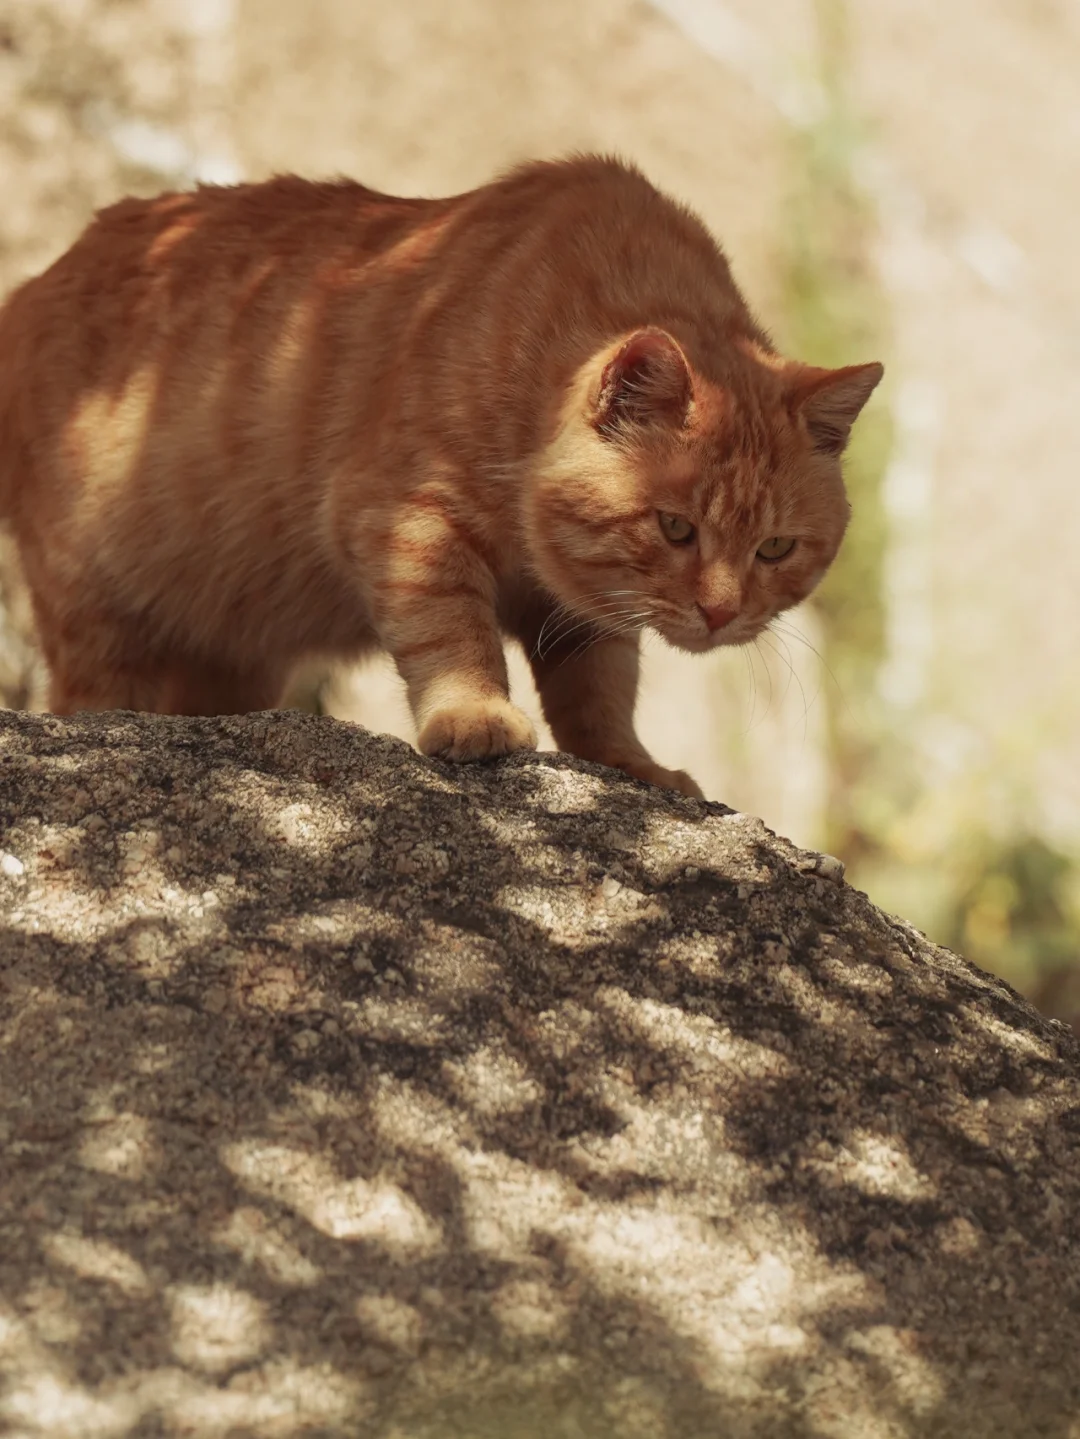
(100, 660)
(160, 686)
(459, 692)
(458, 688)
(71, 690)
(588, 694)
(436, 616)
(93, 663)
(191, 687)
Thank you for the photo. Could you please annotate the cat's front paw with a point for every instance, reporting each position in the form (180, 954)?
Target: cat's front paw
(651, 773)
(480, 729)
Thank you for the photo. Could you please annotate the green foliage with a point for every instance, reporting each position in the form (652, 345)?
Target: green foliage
(1009, 900)
(1004, 896)
(1014, 906)
(835, 315)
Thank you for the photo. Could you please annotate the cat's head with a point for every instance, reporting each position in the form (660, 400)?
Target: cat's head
(699, 509)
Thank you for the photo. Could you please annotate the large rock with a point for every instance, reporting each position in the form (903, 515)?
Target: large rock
(345, 1093)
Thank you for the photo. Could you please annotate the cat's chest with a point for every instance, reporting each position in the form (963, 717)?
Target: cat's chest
(524, 607)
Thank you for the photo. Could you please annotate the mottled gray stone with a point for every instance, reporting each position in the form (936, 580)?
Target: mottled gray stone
(347, 1093)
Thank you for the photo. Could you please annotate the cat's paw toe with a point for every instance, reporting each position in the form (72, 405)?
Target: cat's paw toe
(483, 729)
(651, 773)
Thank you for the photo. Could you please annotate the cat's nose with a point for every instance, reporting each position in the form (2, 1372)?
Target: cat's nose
(717, 616)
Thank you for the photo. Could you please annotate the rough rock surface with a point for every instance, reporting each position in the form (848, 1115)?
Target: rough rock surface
(346, 1093)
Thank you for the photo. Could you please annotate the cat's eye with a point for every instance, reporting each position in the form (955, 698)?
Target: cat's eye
(778, 548)
(676, 529)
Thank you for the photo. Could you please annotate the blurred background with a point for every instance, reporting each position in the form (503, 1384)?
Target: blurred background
(892, 179)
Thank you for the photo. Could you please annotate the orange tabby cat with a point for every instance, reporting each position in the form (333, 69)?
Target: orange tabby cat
(250, 425)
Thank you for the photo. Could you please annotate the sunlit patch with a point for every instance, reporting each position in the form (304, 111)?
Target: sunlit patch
(277, 988)
(381, 1212)
(98, 1259)
(959, 1237)
(294, 823)
(153, 1058)
(391, 1321)
(400, 1019)
(741, 1308)
(291, 349)
(123, 1146)
(492, 1082)
(40, 1400)
(11, 1330)
(504, 1202)
(351, 1209)
(879, 1166)
(531, 902)
(668, 1027)
(216, 1326)
(181, 228)
(1019, 1040)
(252, 1235)
(302, 827)
(859, 976)
(105, 437)
(50, 1313)
(278, 1399)
(52, 1406)
(415, 247)
(532, 1309)
(559, 791)
(63, 897)
(765, 1293)
(912, 1379)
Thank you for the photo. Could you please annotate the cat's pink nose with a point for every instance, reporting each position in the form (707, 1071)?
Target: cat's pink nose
(717, 616)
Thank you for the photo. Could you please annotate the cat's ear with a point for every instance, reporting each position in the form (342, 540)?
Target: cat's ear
(830, 400)
(644, 380)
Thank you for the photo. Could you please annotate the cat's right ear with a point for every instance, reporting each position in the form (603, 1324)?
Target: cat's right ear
(643, 380)
(830, 401)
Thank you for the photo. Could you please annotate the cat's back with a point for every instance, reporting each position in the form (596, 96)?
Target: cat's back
(183, 268)
(180, 287)
(141, 263)
(193, 310)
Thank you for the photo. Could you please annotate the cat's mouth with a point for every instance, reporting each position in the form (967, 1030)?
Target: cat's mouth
(699, 641)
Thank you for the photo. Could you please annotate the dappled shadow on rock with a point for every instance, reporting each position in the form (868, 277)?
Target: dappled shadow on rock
(346, 1093)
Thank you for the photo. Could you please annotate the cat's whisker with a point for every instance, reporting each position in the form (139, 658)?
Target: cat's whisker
(625, 625)
(778, 627)
(793, 674)
(629, 623)
(776, 640)
(744, 651)
(768, 672)
(754, 654)
(784, 658)
(564, 632)
(569, 625)
(607, 606)
(809, 704)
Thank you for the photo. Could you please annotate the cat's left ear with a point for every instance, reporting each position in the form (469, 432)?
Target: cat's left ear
(830, 400)
(643, 380)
